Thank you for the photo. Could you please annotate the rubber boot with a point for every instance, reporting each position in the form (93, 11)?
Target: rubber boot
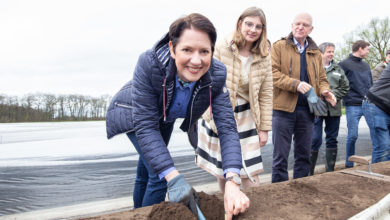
(330, 156)
(313, 161)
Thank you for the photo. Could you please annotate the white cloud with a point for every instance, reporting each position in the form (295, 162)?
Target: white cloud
(92, 46)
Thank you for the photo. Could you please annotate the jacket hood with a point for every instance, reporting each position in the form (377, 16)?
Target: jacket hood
(162, 52)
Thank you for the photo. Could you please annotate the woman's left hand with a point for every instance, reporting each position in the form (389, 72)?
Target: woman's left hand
(263, 137)
(235, 201)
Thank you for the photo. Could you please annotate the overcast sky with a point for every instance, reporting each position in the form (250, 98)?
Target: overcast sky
(90, 47)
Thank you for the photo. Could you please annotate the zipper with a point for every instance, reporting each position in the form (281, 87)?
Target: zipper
(192, 102)
(290, 69)
(122, 105)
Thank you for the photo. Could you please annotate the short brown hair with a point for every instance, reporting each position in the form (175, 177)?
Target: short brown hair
(359, 44)
(196, 21)
(261, 46)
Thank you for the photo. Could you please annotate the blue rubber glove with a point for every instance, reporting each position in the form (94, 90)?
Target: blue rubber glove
(316, 105)
(180, 191)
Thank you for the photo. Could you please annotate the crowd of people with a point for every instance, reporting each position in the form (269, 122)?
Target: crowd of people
(232, 93)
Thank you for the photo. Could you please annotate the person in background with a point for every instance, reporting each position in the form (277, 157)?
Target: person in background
(377, 71)
(177, 78)
(245, 52)
(359, 76)
(376, 107)
(298, 79)
(339, 85)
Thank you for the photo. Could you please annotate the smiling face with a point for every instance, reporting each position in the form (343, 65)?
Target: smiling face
(192, 54)
(251, 28)
(328, 54)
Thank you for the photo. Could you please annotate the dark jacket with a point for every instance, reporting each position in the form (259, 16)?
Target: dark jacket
(379, 93)
(359, 76)
(339, 85)
(139, 107)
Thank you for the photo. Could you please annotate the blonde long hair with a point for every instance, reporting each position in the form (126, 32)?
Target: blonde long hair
(262, 45)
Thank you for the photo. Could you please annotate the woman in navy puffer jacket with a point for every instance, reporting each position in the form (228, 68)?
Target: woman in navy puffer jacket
(178, 78)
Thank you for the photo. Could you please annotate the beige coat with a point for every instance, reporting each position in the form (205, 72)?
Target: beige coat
(260, 83)
(286, 72)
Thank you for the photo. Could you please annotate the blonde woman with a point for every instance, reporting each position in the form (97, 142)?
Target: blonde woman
(245, 53)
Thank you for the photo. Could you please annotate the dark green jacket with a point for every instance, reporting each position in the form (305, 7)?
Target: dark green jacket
(339, 85)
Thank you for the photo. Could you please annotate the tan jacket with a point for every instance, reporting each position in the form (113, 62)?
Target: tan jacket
(260, 82)
(286, 72)
(377, 71)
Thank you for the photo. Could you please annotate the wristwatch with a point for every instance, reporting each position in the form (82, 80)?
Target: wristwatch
(235, 179)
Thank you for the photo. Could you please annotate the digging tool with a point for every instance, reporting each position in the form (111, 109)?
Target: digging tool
(362, 173)
(200, 214)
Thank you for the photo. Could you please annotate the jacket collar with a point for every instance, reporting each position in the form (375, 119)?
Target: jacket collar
(331, 67)
(162, 52)
(234, 49)
(357, 59)
(311, 44)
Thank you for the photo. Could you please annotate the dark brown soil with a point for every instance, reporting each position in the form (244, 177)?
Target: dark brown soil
(323, 196)
(168, 211)
(211, 206)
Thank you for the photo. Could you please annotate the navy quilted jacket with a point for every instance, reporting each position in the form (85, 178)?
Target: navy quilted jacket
(139, 107)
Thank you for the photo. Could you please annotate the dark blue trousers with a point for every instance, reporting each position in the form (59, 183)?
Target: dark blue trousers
(286, 126)
(332, 125)
(149, 189)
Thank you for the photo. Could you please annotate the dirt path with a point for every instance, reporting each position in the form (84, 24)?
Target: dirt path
(324, 196)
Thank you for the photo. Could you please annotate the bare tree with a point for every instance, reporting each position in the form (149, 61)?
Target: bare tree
(50, 105)
(61, 107)
(376, 32)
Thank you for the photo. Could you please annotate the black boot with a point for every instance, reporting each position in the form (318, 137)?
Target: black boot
(330, 155)
(313, 161)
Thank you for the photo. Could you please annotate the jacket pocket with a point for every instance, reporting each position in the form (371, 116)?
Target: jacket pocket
(123, 105)
(119, 119)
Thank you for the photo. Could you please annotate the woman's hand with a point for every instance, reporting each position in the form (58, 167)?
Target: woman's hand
(263, 138)
(235, 201)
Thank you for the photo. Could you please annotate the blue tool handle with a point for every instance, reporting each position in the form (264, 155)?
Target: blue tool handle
(200, 214)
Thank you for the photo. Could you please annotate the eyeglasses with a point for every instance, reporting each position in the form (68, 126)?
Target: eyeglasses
(305, 25)
(250, 25)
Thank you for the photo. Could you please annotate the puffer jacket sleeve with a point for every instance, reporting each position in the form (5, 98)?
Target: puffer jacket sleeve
(266, 97)
(225, 123)
(281, 79)
(146, 116)
(377, 71)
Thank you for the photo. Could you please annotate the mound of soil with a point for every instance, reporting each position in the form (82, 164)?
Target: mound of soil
(333, 195)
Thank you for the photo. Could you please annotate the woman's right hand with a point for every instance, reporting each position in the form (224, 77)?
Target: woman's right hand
(263, 138)
(235, 201)
(180, 191)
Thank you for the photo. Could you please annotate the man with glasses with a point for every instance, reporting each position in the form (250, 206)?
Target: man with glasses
(299, 79)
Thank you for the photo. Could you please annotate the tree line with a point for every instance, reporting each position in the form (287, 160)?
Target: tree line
(50, 107)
